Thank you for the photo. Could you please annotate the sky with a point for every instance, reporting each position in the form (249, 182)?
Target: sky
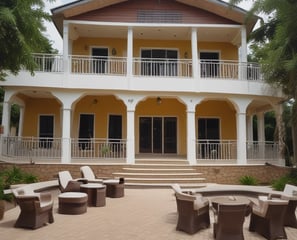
(55, 37)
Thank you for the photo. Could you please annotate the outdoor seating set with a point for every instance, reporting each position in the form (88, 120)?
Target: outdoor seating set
(76, 195)
(268, 217)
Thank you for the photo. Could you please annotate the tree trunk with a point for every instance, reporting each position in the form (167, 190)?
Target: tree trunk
(294, 132)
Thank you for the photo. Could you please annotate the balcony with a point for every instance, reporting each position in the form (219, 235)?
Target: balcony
(148, 67)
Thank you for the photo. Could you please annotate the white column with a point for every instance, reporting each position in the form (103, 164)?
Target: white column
(21, 121)
(249, 124)
(261, 127)
(66, 46)
(195, 65)
(66, 138)
(130, 136)
(6, 118)
(130, 52)
(241, 138)
(243, 44)
(191, 139)
(261, 135)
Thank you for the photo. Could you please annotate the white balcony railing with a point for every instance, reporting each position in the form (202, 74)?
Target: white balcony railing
(48, 63)
(98, 65)
(79, 64)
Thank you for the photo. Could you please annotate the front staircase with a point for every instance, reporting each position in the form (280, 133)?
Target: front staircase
(161, 173)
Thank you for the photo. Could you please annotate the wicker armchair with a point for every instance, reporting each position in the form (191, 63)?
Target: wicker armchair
(88, 174)
(268, 217)
(68, 184)
(229, 221)
(36, 208)
(193, 213)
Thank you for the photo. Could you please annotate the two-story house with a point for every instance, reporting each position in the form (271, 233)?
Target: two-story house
(144, 78)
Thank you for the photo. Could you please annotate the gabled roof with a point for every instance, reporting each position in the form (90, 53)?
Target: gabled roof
(217, 7)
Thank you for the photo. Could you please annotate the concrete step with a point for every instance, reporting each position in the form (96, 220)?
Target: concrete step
(164, 185)
(158, 170)
(156, 175)
(164, 180)
(162, 161)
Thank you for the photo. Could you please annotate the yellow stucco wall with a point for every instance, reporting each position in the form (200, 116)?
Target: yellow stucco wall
(222, 110)
(40, 106)
(101, 107)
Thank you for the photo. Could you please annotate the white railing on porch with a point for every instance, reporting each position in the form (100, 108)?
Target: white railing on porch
(216, 149)
(214, 69)
(262, 151)
(227, 150)
(98, 148)
(31, 147)
(27, 148)
(50, 148)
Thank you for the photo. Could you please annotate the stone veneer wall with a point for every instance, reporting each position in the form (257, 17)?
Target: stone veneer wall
(231, 174)
(225, 174)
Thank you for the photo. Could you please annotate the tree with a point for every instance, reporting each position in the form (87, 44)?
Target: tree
(21, 34)
(275, 45)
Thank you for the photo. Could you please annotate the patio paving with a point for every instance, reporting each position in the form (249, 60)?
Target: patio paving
(142, 214)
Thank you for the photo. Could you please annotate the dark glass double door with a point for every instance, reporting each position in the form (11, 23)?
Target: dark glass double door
(158, 135)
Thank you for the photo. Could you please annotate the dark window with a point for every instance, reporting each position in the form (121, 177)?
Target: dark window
(100, 60)
(46, 131)
(86, 130)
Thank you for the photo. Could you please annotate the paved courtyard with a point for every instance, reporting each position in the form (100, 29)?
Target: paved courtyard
(142, 214)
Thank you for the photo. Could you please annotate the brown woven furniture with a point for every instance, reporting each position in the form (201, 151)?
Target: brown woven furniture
(96, 194)
(193, 213)
(115, 188)
(72, 203)
(290, 194)
(36, 208)
(88, 174)
(68, 184)
(229, 221)
(267, 218)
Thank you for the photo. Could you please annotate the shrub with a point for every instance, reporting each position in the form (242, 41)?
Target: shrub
(248, 180)
(16, 175)
(290, 178)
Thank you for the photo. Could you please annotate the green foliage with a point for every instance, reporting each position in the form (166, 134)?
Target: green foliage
(21, 34)
(248, 180)
(16, 175)
(280, 183)
(7, 197)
